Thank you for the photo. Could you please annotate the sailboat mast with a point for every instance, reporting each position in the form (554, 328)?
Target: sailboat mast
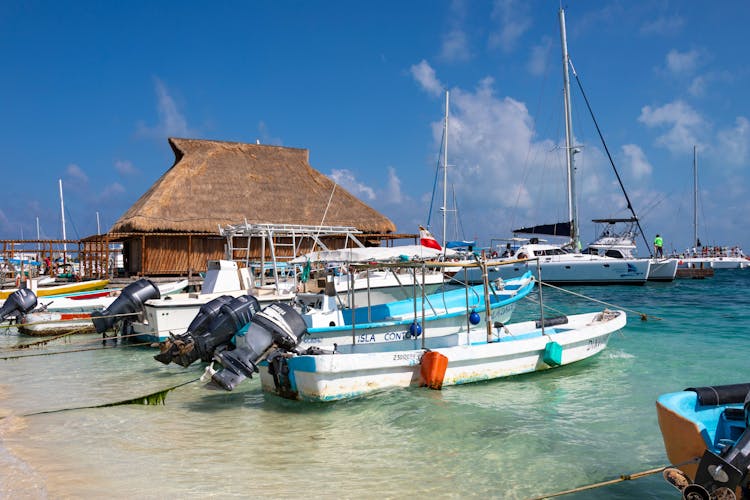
(445, 171)
(569, 150)
(695, 197)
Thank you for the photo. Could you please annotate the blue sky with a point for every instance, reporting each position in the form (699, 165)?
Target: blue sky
(91, 91)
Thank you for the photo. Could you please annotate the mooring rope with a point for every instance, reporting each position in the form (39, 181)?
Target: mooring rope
(53, 321)
(155, 398)
(623, 477)
(643, 316)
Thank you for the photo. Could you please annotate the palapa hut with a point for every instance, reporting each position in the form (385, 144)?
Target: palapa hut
(173, 229)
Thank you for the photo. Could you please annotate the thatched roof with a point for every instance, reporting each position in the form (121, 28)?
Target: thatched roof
(216, 183)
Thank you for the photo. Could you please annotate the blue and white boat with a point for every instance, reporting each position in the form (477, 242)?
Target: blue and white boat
(444, 316)
(450, 354)
(705, 433)
(442, 361)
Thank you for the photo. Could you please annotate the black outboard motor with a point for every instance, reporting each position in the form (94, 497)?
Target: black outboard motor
(212, 329)
(278, 325)
(130, 301)
(18, 303)
(718, 476)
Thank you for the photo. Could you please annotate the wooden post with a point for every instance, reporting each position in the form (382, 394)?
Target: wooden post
(142, 271)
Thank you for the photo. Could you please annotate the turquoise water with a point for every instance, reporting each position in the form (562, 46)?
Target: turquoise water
(519, 437)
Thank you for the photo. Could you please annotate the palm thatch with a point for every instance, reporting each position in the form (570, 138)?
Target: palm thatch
(215, 183)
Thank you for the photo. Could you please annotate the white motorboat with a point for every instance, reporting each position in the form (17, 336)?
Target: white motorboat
(511, 350)
(619, 242)
(173, 314)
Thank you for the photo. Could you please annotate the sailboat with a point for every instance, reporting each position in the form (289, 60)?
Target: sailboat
(717, 257)
(565, 264)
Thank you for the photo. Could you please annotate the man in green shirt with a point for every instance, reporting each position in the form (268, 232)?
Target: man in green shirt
(658, 246)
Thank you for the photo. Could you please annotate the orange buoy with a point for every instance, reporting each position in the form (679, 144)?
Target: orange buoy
(432, 371)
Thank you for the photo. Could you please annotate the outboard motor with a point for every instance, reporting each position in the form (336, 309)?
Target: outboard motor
(278, 325)
(718, 476)
(213, 327)
(18, 303)
(130, 301)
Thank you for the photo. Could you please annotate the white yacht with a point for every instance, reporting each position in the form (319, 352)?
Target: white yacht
(558, 266)
(620, 244)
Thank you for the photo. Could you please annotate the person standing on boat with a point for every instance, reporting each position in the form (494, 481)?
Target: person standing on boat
(658, 246)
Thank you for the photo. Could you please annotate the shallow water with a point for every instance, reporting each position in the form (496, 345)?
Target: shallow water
(518, 437)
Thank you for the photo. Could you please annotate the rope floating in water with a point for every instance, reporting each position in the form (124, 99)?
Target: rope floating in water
(155, 398)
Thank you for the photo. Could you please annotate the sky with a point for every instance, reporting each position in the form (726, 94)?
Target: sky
(91, 91)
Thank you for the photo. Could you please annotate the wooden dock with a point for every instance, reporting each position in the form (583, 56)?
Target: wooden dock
(696, 273)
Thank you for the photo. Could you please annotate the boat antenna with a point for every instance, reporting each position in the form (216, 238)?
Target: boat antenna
(611, 161)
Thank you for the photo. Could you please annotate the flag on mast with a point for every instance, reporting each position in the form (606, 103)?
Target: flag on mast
(426, 239)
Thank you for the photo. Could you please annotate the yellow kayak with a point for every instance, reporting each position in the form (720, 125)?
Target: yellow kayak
(79, 286)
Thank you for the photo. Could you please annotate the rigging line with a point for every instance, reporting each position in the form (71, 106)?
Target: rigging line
(70, 219)
(611, 161)
(325, 214)
(643, 316)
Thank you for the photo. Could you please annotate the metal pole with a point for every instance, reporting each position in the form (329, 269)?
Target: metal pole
(569, 160)
(541, 302)
(445, 172)
(62, 215)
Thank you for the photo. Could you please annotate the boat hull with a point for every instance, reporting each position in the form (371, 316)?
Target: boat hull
(56, 323)
(80, 286)
(580, 272)
(332, 377)
(662, 270)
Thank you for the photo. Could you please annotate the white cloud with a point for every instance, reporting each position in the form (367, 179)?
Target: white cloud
(172, 123)
(539, 59)
(684, 125)
(125, 167)
(76, 175)
(513, 21)
(114, 189)
(682, 63)
(266, 137)
(348, 181)
(636, 161)
(734, 143)
(455, 46)
(663, 26)
(393, 192)
(426, 78)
